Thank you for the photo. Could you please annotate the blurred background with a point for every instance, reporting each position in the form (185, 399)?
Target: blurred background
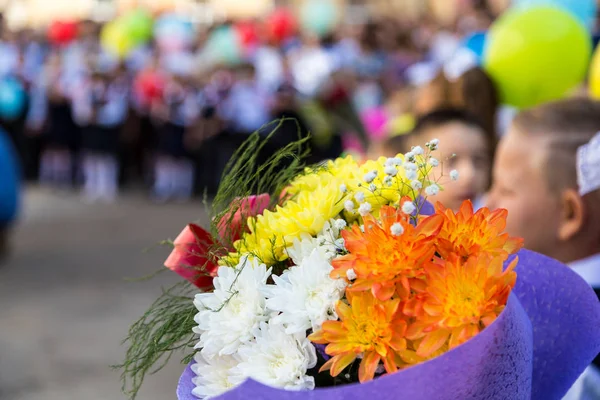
(119, 116)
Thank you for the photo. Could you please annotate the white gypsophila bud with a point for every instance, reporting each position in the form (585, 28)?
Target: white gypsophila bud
(397, 229)
(410, 156)
(339, 224)
(359, 196)
(349, 205)
(433, 144)
(411, 175)
(408, 207)
(351, 275)
(343, 188)
(454, 175)
(410, 166)
(364, 209)
(434, 162)
(418, 151)
(391, 170)
(416, 185)
(372, 187)
(370, 176)
(388, 180)
(432, 190)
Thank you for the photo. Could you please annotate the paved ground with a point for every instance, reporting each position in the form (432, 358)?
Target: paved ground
(64, 301)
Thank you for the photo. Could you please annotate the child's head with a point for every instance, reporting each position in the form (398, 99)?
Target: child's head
(535, 179)
(464, 146)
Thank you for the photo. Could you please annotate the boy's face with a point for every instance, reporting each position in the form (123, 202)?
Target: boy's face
(471, 160)
(520, 185)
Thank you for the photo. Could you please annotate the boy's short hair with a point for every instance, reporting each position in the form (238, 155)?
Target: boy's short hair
(563, 126)
(433, 120)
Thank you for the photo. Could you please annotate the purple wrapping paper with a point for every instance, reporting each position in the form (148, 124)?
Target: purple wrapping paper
(546, 336)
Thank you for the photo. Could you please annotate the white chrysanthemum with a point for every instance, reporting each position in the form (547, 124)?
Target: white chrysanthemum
(327, 243)
(349, 205)
(434, 162)
(397, 229)
(432, 190)
(416, 185)
(229, 316)
(305, 295)
(364, 209)
(408, 207)
(454, 175)
(278, 359)
(215, 376)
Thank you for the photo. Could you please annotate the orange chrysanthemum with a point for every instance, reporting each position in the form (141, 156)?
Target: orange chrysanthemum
(467, 233)
(463, 298)
(382, 258)
(367, 326)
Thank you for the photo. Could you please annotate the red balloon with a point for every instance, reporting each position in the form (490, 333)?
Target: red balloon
(281, 25)
(62, 32)
(247, 33)
(149, 86)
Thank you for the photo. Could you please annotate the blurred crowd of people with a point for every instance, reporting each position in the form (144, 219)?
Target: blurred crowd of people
(171, 119)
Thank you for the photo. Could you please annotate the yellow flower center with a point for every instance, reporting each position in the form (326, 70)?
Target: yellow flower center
(464, 299)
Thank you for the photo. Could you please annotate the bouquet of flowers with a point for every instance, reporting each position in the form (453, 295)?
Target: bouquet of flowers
(343, 282)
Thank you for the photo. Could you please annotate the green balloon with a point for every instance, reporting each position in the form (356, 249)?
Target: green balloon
(537, 55)
(139, 25)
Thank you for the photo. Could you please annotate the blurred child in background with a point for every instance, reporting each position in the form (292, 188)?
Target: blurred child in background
(174, 114)
(547, 175)
(51, 114)
(102, 108)
(465, 146)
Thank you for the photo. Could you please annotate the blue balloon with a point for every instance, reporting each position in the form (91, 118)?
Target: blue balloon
(584, 10)
(476, 43)
(9, 181)
(12, 99)
(172, 28)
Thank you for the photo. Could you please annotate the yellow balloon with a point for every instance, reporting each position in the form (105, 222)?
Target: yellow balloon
(595, 76)
(536, 55)
(115, 40)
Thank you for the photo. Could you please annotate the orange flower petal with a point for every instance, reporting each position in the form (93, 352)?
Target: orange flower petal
(341, 362)
(433, 342)
(368, 366)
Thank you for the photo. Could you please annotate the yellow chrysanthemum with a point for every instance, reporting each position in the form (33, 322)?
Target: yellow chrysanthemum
(272, 232)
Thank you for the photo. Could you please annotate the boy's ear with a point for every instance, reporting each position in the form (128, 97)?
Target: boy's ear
(573, 215)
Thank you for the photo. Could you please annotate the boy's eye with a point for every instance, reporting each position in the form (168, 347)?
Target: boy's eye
(481, 161)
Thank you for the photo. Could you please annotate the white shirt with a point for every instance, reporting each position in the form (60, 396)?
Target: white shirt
(587, 386)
